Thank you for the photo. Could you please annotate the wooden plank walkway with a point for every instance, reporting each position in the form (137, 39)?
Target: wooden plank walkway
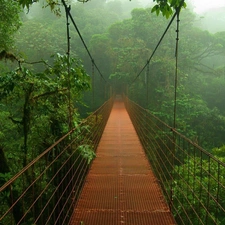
(121, 187)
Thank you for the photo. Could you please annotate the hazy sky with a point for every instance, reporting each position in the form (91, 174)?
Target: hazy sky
(201, 6)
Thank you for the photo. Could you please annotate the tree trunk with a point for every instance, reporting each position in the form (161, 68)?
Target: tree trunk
(4, 168)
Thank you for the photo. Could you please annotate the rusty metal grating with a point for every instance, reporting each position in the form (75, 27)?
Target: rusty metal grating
(121, 187)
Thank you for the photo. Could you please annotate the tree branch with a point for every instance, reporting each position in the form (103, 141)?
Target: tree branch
(37, 62)
(49, 93)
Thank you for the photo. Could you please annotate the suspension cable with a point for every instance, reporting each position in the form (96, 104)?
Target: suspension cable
(175, 108)
(176, 68)
(167, 28)
(67, 10)
(93, 85)
(147, 81)
(71, 17)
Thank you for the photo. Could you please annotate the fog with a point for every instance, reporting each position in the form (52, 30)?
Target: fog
(50, 80)
(213, 20)
(121, 35)
(210, 17)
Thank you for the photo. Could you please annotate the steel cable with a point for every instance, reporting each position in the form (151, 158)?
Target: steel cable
(85, 46)
(163, 35)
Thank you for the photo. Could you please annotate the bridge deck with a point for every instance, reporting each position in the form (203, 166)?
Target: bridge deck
(120, 187)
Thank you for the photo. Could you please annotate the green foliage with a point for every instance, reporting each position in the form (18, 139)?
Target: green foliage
(10, 23)
(35, 113)
(25, 3)
(34, 99)
(200, 105)
(4, 177)
(35, 105)
(219, 153)
(87, 152)
(166, 7)
(53, 4)
(198, 183)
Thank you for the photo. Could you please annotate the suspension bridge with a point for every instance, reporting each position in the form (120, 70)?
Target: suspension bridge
(121, 165)
(157, 177)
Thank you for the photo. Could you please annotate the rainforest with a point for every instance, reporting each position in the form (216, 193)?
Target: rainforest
(55, 74)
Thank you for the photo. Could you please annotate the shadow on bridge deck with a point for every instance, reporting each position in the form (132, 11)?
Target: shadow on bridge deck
(121, 187)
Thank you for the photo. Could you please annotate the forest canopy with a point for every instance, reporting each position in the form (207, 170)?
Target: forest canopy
(120, 44)
(46, 87)
(10, 23)
(166, 7)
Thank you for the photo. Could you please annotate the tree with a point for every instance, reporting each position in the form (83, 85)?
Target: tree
(199, 191)
(166, 7)
(128, 44)
(36, 104)
(10, 23)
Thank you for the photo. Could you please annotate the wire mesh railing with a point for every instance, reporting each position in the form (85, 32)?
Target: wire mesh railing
(193, 181)
(46, 190)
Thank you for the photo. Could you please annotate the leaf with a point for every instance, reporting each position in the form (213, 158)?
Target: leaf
(155, 8)
(166, 7)
(25, 3)
(87, 152)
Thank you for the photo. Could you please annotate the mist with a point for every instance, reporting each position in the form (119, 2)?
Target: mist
(55, 73)
(121, 35)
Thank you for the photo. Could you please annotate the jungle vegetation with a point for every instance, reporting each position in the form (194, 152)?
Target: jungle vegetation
(34, 84)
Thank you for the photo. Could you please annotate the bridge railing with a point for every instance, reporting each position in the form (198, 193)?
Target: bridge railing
(46, 190)
(193, 181)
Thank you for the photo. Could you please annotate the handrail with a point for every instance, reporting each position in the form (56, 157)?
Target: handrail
(45, 191)
(191, 178)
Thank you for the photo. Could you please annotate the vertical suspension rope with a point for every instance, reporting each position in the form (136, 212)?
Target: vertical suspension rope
(147, 79)
(93, 84)
(176, 69)
(175, 108)
(67, 9)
